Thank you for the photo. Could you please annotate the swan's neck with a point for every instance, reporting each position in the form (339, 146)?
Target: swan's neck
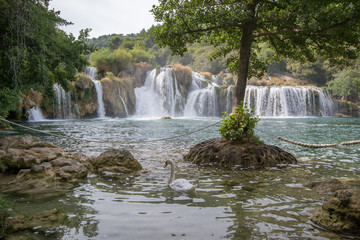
(172, 174)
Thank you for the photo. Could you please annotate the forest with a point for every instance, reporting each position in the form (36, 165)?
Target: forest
(343, 83)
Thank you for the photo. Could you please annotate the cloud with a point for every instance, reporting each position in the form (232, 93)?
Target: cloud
(106, 16)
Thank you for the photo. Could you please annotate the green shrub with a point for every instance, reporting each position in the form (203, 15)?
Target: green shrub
(238, 125)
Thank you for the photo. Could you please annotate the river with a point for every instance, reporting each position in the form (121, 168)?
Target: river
(247, 204)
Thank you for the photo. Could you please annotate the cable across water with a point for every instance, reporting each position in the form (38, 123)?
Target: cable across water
(181, 135)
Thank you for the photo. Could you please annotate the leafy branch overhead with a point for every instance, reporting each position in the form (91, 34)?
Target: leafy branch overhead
(297, 29)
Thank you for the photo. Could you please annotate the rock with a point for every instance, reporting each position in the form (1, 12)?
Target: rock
(115, 161)
(166, 117)
(41, 222)
(341, 213)
(248, 153)
(328, 186)
(40, 167)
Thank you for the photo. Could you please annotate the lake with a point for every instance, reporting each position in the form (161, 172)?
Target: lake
(243, 204)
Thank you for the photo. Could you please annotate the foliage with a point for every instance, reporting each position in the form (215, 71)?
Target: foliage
(238, 125)
(35, 53)
(9, 100)
(111, 61)
(292, 29)
(318, 72)
(346, 85)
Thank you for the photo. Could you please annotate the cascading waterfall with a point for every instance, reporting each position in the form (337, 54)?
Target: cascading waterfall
(289, 101)
(63, 103)
(160, 95)
(123, 102)
(91, 72)
(201, 101)
(35, 114)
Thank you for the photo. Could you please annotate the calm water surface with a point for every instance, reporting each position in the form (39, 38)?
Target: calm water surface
(249, 204)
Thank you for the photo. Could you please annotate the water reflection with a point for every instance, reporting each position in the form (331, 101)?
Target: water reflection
(227, 204)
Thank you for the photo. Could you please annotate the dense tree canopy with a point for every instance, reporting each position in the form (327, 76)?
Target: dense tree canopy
(297, 29)
(34, 52)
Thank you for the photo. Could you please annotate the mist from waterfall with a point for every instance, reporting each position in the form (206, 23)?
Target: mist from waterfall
(91, 72)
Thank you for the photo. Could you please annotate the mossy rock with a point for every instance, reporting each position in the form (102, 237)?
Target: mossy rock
(341, 213)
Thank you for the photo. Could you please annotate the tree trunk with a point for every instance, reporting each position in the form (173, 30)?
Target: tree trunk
(243, 67)
(244, 59)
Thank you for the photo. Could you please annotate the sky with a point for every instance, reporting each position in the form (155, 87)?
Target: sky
(105, 16)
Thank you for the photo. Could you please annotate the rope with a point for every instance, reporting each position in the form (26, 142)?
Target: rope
(181, 135)
(350, 143)
(86, 140)
(307, 144)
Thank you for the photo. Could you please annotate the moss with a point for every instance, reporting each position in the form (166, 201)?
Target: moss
(183, 75)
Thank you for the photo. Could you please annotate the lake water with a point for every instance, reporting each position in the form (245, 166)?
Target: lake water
(248, 204)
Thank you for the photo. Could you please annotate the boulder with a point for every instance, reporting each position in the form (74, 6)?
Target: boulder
(39, 166)
(341, 213)
(249, 153)
(117, 161)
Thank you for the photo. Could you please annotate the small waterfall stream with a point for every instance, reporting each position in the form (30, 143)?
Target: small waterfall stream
(35, 114)
(63, 103)
(124, 104)
(91, 72)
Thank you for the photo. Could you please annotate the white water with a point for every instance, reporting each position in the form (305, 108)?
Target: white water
(91, 72)
(63, 109)
(35, 114)
(123, 102)
(160, 95)
(289, 101)
(201, 101)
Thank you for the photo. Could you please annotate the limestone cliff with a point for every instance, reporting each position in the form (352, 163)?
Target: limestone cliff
(119, 96)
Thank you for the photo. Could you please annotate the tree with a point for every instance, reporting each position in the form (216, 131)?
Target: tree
(346, 85)
(34, 52)
(296, 29)
(115, 42)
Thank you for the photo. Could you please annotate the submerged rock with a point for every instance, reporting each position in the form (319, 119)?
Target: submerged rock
(117, 161)
(247, 153)
(40, 222)
(341, 213)
(327, 186)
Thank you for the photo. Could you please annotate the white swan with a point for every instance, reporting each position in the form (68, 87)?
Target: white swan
(179, 184)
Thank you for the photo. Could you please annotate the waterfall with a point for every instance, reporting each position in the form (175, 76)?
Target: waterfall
(160, 95)
(35, 114)
(289, 101)
(63, 103)
(201, 101)
(91, 72)
(123, 102)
